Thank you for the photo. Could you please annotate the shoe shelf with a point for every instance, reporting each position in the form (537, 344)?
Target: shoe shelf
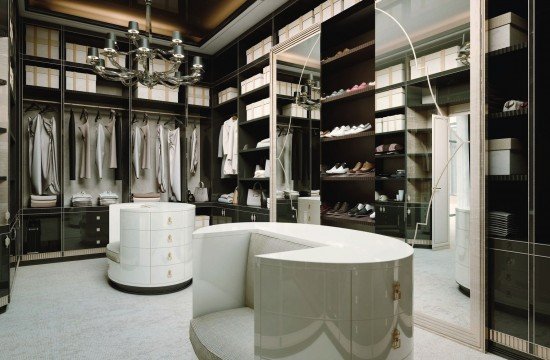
(389, 133)
(352, 95)
(254, 179)
(348, 177)
(511, 178)
(508, 114)
(347, 137)
(344, 218)
(508, 50)
(388, 156)
(358, 53)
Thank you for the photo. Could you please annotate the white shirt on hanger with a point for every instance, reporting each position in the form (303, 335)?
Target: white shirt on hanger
(230, 140)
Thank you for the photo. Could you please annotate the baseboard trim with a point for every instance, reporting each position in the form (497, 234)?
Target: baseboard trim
(517, 345)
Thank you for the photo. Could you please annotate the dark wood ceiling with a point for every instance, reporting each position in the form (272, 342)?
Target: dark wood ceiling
(198, 20)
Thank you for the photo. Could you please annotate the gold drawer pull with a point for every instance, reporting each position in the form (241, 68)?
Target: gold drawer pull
(169, 220)
(169, 256)
(169, 275)
(396, 291)
(170, 238)
(396, 341)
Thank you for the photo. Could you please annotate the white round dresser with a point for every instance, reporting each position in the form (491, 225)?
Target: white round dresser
(149, 248)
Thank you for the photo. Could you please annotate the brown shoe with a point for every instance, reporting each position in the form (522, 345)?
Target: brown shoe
(367, 167)
(356, 168)
(343, 209)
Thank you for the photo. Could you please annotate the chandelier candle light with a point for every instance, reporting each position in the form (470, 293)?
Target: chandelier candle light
(144, 56)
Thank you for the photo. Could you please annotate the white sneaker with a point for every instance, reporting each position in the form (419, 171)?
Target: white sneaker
(333, 169)
(343, 169)
(333, 132)
(373, 215)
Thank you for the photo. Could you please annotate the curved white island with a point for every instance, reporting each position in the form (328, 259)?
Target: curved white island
(298, 291)
(149, 248)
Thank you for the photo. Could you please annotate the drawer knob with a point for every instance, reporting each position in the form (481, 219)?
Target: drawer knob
(169, 220)
(169, 275)
(396, 341)
(396, 291)
(169, 256)
(170, 238)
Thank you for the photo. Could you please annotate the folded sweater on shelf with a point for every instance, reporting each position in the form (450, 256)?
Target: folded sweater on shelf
(43, 203)
(226, 198)
(108, 195)
(43, 197)
(263, 143)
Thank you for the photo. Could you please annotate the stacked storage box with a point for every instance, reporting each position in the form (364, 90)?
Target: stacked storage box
(390, 76)
(39, 76)
(389, 99)
(294, 110)
(286, 88)
(507, 30)
(227, 94)
(158, 92)
(439, 61)
(258, 109)
(198, 95)
(256, 81)
(42, 42)
(80, 81)
(259, 50)
(506, 157)
(390, 123)
(321, 13)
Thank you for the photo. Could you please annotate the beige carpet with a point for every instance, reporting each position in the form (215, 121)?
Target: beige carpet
(68, 311)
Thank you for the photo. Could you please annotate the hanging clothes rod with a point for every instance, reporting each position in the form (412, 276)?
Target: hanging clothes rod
(94, 106)
(157, 113)
(41, 101)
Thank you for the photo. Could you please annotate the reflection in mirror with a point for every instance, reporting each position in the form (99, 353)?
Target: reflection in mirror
(297, 138)
(423, 105)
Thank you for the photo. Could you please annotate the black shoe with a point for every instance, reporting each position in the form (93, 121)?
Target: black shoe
(343, 209)
(356, 209)
(365, 211)
(335, 208)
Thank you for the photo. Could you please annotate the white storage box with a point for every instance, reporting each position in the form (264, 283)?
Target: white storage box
(337, 7)
(141, 92)
(390, 76)
(451, 55)
(385, 124)
(434, 62)
(308, 20)
(399, 122)
(258, 80)
(327, 10)
(507, 162)
(42, 42)
(267, 44)
(378, 125)
(283, 34)
(250, 55)
(39, 76)
(390, 99)
(507, 30)
(158, 93)
(318, 14)
(249, 112)
(294, 27)
(173, 95)
(258, 51)
(504, 144)
(267, 75)
(349, 3)
(417, 72)
(266, 108)
(391, 123)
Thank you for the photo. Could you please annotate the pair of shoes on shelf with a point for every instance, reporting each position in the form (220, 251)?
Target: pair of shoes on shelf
(361, 86)
(340, 208)
(362, 210)
(338, 169)
(346, 130)
(362, 168)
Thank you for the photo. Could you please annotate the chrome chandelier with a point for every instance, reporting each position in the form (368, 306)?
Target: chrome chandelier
(304, 98)
(144, 56)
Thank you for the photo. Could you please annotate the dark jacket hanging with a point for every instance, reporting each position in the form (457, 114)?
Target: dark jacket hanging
(72, 147)
(118, 127)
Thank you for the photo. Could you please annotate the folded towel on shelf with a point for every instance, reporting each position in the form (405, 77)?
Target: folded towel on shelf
(43, 197)
(263, 143)
(108, 195)
(259, 174)
(226, 198)
(43, 203)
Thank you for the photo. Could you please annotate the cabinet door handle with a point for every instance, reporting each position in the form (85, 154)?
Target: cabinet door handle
(408, 211)
(170, 238)
(169, 220)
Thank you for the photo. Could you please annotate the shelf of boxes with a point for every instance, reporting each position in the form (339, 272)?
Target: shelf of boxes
(78, 53)
(42, 42)
(80, 81)
(389, 76)
(319, 14)
(227, 94)
(389, 99)
(260, 49)
(389, 124)
(258, 109)
(436, 62)
(198, 95)
(157, 92)
(43, 77)
(256, 81)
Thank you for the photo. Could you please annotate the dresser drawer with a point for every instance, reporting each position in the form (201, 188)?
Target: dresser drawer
(171, 220)
(135, 238)
(167, 256)
(167, 274)
(135, 256)
(130, 274)
(169, 238)
(134, 220)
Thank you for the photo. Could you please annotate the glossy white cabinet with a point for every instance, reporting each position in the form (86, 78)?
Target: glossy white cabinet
(155, 245)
